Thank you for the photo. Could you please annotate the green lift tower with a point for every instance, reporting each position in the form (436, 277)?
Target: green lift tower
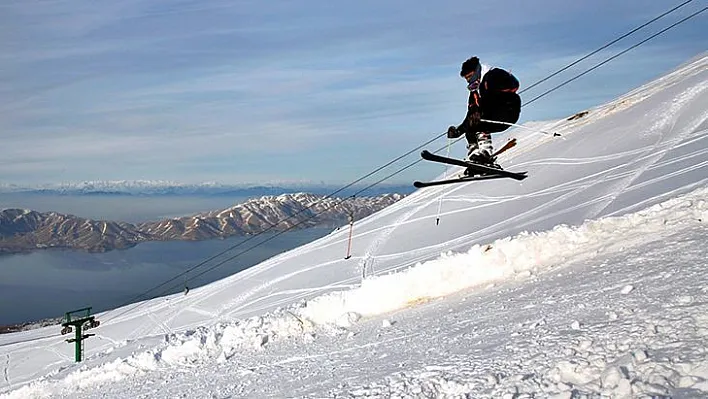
(79, 320)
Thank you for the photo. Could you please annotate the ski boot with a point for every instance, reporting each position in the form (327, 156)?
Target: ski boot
(481, 152)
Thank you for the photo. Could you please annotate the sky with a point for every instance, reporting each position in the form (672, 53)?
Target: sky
(251, 92)
(587, 280)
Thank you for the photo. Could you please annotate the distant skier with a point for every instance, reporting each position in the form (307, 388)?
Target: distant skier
(492, 97)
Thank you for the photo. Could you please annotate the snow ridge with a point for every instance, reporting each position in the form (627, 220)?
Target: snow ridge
(522, 256)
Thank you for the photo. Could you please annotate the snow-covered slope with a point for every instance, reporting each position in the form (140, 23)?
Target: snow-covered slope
(586, 278)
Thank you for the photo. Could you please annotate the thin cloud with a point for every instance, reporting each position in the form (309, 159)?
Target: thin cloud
(87, 86)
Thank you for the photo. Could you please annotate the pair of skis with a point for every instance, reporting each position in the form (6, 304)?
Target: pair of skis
(475, 171)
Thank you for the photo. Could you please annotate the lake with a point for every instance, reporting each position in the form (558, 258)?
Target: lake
(49, 283)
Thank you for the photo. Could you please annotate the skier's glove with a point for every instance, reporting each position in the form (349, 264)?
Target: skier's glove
(452, 132)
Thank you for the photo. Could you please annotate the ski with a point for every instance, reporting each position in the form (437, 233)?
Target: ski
(509, 144)
(421, 184)
(481, 170)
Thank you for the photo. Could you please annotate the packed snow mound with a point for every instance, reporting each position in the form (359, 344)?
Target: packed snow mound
(626, 179)
(521, 256)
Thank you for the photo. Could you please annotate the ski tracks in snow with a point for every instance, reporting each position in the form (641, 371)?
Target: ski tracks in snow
(422, 200)
(5, 368)
(666, 126)
(366, 258)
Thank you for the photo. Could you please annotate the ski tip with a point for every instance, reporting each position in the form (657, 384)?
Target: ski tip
(418, 184)
(424, 153)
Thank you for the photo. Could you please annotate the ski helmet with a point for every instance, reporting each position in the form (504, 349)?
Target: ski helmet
(471, 65)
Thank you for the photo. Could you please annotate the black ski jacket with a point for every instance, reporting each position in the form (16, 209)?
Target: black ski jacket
(496, 100)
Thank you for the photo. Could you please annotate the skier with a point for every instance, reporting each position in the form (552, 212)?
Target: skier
(492, 97)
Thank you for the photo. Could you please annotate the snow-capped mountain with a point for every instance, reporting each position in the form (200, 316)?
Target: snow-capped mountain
(585, 280)
(136, 187)
(164, 187)
(26, 230)
(23, 230)
(285, 211)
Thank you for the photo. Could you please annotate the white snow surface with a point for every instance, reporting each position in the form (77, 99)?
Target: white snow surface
(587, 279)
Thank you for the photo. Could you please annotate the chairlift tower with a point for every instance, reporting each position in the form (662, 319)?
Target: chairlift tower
(79, 320)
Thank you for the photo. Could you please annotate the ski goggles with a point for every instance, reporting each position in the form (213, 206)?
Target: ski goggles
(473, 78)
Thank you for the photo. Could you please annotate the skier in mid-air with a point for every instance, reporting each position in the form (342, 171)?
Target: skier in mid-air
(492, 97)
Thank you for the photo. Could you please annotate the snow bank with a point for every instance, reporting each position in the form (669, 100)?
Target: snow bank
(508, 258)
(217, 343)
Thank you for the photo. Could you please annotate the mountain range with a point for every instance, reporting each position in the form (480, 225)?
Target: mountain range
(164, 187)
(24, 230)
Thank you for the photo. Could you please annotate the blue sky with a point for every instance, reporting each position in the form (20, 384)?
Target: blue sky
(245, 91)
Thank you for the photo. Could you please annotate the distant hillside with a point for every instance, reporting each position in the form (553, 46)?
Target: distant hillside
(27, 230)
